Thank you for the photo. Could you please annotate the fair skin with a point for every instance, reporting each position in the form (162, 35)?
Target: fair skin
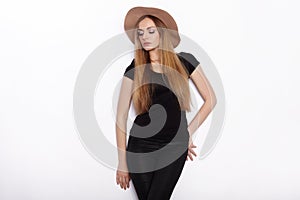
(149, 38)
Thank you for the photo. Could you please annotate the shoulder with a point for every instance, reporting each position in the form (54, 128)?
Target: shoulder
(130, 66)
(188, 58)
(129, 71)
(189, 61)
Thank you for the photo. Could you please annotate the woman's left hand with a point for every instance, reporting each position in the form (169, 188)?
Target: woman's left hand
(191, 152)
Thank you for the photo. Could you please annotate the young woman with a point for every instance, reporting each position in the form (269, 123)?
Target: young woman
(157, 83)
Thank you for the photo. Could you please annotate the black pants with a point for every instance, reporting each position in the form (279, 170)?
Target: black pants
(155, 176)
(158, 184)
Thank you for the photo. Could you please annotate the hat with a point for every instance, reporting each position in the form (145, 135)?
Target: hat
(135, 13)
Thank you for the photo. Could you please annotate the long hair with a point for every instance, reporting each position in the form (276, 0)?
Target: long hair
(171, 66)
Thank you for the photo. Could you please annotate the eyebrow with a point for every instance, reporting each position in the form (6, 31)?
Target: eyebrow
(147, 28)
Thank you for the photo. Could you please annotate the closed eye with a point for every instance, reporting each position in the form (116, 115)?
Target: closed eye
(151, 31)
(141, 33)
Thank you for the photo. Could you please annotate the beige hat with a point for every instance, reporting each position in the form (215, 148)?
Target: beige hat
(135, 13)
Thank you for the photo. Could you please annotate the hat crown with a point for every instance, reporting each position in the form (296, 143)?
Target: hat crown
(135, 13)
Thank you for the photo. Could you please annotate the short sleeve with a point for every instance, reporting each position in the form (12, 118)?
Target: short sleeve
(189, 61)
(129, 71)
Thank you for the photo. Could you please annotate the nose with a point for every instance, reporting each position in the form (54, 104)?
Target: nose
(145, 35)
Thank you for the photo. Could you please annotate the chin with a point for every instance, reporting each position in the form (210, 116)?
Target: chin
(148, 48)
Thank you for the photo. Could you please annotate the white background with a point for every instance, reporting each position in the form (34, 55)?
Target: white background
(255, 46)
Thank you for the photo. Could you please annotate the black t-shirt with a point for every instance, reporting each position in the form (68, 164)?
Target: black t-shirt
(163, 96)
(188, 60)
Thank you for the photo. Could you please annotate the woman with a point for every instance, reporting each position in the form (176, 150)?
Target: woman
(157, 83)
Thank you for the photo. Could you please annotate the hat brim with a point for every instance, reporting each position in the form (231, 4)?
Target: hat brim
(134, 14)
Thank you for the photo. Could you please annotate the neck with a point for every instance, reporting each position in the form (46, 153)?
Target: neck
(154, 57)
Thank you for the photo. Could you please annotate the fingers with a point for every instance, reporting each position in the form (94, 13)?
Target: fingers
(119, 181)
(127, 182)
(191, 152)
(123, 181)
(190, 156)
(192, 145)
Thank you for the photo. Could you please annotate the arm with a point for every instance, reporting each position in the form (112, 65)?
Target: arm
(122, 175)
(121, 119)
(206, 92)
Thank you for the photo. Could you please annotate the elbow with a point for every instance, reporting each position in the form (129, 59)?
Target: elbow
(214, 101)
(211, 102)
(214, 104)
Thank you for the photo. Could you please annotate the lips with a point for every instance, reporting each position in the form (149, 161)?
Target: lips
(147, 43)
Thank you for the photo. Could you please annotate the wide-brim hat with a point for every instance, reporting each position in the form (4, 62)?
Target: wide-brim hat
(135, 13)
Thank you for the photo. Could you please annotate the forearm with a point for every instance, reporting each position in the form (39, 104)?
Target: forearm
(121, 141)
(201, 115)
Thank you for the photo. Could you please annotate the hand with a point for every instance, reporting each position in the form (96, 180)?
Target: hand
(191, 152)
(122, 177)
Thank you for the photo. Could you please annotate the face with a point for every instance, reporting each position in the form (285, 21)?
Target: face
(148, 34)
